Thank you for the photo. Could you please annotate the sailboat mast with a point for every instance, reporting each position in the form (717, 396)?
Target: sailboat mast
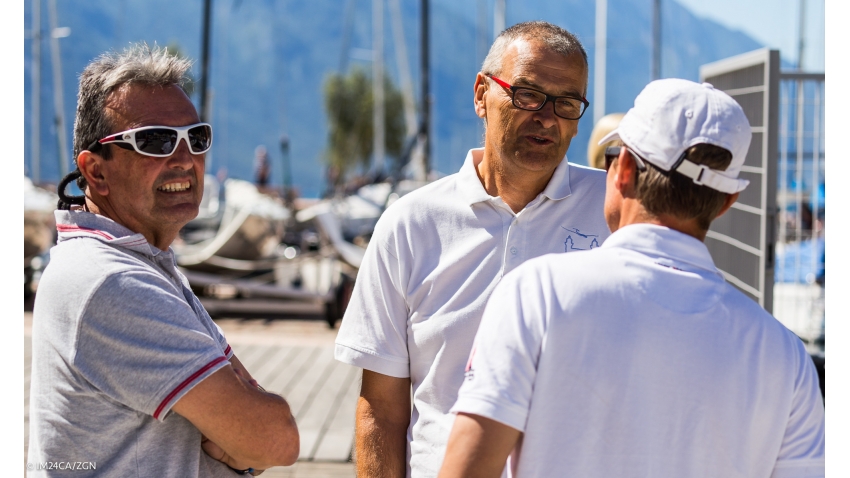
(424, 127)
(656, 39)
(378, 113)
(403, 69)
(498, 17)
(600, 58)
(35, 136)
(801, 33)
(58, 97)
(205, 60)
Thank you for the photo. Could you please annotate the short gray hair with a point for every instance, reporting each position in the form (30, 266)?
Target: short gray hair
(138, 64)
(553, 36)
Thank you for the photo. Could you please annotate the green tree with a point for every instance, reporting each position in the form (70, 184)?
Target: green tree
(348, 104)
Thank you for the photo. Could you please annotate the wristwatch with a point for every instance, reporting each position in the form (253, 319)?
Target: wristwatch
(247, 471)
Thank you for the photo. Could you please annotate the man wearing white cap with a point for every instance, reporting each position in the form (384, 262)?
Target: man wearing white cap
(637, 359)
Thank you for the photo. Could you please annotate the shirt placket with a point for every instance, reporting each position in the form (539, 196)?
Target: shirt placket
(511, 252)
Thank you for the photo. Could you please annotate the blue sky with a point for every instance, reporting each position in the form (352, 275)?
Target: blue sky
(777, 25)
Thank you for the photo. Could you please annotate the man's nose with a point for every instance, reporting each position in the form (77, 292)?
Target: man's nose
(546, 115)
(182, 157)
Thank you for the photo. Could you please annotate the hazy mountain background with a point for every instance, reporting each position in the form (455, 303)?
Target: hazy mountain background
(270, 59)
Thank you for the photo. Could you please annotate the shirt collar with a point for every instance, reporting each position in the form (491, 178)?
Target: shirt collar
(468, 180)
(75, 224)
(470, 184)
(667, 246)
(559, 185)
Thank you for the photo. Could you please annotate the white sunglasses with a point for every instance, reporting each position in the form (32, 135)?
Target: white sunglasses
(160, 141)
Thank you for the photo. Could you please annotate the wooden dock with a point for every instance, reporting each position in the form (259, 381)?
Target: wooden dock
(294, 359)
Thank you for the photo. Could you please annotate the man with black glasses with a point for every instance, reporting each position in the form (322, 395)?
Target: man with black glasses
(648, 363)
(438, 252)
(120, 342)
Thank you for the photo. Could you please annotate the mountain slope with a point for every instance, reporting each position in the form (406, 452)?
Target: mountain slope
(270, 58)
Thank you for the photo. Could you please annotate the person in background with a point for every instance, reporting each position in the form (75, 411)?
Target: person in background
(638, 358)
(437, 253)
(262, 167)
(595, 150)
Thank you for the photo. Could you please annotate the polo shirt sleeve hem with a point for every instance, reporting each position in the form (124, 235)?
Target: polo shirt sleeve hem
(369, 360)
(181, 389)
(813, 468)
(507, 414)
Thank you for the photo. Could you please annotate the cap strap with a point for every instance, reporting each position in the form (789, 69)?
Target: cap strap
(702, 175)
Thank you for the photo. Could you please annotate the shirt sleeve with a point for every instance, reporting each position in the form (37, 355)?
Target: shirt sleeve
(502, 366)
(140, 343)
(373, 333)
(801, 454)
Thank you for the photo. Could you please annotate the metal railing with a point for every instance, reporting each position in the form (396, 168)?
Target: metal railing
(798, 300)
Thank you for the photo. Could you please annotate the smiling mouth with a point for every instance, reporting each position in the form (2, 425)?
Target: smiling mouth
(175, 187)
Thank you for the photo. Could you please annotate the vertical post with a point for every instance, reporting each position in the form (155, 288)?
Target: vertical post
(784, 194)
(767, 242)
(424, 127)
(35, 136)
(798, 176)
(378, 141)
(801, 41)
(815, 198)
(205, 60)
(498, 17)
(58, 97)
(656, 39)
(600, 58)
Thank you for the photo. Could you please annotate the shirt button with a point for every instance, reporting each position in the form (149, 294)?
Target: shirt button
(513, 250)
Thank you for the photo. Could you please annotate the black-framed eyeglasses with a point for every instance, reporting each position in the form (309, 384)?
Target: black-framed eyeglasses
(613, 152)
(567, 107)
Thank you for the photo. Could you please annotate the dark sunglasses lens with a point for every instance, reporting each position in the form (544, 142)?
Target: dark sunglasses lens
(611, 153)
(156, 141)
(200, 138)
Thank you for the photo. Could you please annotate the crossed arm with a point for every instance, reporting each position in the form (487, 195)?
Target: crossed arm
(250, 427)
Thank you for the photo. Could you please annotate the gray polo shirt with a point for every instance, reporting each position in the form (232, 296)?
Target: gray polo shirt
(118, 338)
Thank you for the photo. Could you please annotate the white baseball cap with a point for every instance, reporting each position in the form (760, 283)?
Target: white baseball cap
(671, 115)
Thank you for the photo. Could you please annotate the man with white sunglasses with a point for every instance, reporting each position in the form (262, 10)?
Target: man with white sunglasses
(129, 372)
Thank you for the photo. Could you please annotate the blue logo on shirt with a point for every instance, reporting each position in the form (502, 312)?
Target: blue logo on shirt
(579, 241)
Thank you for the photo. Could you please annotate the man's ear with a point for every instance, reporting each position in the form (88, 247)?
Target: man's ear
(91, 167)
(730, 200)
(480, 95)
(626, 172)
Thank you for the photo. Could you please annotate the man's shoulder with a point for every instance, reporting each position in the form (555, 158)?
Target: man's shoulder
(751, 313)
(83, 266)
(433, 194)
(585, 176)
(93, 255)
(423, 205)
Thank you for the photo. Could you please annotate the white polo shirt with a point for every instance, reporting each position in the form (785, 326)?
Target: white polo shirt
(434, 258)
(637, 359)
